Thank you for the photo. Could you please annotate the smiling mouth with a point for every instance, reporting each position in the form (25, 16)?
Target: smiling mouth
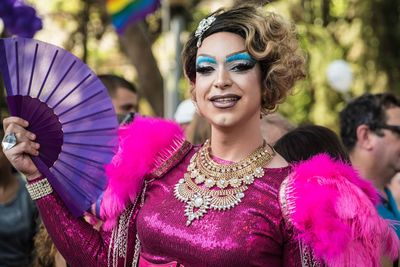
(225, 101)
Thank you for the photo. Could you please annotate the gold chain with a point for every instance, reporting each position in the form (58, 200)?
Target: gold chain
(235, 177)
(204, 170)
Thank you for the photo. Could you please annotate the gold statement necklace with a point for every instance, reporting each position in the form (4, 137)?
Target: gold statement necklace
(209, 185)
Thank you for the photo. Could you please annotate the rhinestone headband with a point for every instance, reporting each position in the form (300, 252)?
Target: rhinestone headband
(204, 25)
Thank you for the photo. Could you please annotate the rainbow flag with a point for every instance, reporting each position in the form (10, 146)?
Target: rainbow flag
(125, 12)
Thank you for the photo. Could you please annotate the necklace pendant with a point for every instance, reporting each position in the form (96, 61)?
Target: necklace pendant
(196, 190)
(196, 207)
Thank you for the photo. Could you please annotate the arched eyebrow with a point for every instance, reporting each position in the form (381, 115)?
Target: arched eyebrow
(241, 55)
(205, 58)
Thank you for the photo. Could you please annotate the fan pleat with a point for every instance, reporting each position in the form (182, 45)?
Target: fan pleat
(73, 191)
(90, 108)
(77, 75)
(60, 183)
(74, 166)
(87, 140)
(89, 144)
(43, 117)
(84, 104)
(90, 148)
(89, 116)
(43, 128)
(25, 55)
(17, 107)
(96, 158)
(4, 67)
(33, 69)
(47, 75)
(59, 83)
(47, 158)
(70, 92)
(12, 65)
(39, 114)
(31, 111)
(100, 131)
(86, 100)
(52, 135)
(77, 192)
(87, 160)
(96, 128)
(27, 109)
(61, 62)
(17, 65)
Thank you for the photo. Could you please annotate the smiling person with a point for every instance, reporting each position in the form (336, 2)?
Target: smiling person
(232, 201)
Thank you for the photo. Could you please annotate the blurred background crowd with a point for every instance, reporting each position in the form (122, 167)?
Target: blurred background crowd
(141, 41)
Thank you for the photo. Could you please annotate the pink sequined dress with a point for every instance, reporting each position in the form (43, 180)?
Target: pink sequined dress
(253, 233)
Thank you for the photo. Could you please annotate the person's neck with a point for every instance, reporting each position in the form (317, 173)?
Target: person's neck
(235, 143)
(371, 170)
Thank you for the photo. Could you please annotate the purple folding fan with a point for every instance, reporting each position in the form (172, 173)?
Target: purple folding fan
(68, 109)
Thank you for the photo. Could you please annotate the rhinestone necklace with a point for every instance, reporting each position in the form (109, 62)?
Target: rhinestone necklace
(209, 185)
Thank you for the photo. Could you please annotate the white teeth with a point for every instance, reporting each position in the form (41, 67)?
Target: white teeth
(225, 99)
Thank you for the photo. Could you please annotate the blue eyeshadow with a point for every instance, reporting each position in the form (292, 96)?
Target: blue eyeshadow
(240, 56)
(203, 59)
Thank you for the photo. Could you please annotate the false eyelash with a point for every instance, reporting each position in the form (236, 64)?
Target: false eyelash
(204, 70)
(243, 66)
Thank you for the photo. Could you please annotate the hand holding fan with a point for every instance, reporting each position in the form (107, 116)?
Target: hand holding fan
(70, 112)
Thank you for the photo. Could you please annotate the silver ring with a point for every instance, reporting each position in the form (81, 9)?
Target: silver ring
(9, 141)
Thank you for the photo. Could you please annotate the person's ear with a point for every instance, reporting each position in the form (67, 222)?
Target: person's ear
(365, 137)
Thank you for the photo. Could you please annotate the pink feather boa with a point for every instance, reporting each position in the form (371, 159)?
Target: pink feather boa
(334, 211)
(140, 143)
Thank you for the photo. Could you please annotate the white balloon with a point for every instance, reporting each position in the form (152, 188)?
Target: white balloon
(339, 75)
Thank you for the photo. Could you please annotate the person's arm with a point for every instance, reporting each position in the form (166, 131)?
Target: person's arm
(77, 241)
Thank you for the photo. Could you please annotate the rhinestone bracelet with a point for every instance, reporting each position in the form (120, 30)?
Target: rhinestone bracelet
(39, 189)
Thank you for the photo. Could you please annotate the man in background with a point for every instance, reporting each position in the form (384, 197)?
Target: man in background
(124, 95)
(370, 130)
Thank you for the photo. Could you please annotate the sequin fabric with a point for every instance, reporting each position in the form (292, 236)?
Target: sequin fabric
(77, 241)
(253, 233)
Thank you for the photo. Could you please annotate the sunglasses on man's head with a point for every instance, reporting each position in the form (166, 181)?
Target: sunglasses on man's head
(392, 128)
